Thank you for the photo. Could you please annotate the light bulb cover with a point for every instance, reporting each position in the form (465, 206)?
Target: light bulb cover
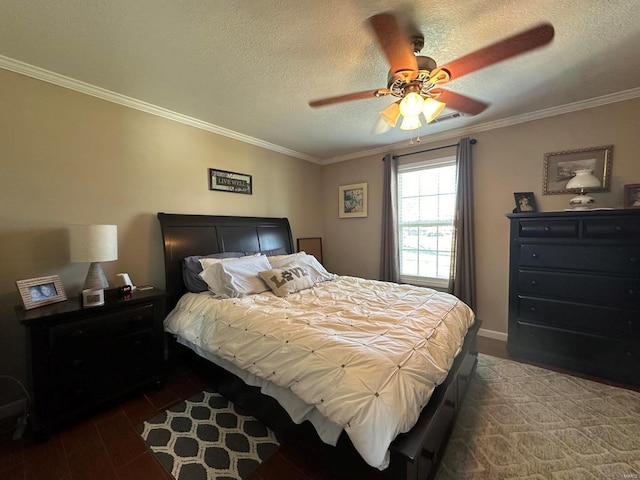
(432, 109)
(412, 104)
(410, 123)
(391, 114)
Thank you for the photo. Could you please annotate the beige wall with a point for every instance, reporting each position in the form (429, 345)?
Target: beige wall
(505, 160)
(70, 158)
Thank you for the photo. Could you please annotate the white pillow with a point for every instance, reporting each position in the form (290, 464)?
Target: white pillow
(290, 279)
(237, 278)
(318, 273)
(207, 262)
(278, 260)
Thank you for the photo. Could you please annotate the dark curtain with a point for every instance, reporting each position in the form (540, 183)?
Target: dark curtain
(462, 282)
(390, 255)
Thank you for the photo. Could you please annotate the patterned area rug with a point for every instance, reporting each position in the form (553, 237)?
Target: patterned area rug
(523, 422)
(206, 438)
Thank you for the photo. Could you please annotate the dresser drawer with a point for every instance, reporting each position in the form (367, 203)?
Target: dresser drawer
(620, 292)
(611, 228)
(598, 352)
(549, 228)
(607, 321)
(620, 259)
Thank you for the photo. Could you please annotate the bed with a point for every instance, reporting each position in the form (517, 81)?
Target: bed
(414, 454)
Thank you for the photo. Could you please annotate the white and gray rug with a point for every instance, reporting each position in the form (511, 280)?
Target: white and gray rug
(206, 438)
(524, 422)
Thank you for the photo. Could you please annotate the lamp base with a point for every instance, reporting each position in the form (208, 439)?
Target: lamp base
(582, 202)
(96, 278)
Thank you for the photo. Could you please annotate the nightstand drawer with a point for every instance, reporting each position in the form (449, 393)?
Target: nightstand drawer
(621, 259)
(97, 328)
(97, 355)
(607, 321)
(620, 292)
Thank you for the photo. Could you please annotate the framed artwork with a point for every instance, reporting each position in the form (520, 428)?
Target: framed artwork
(525, 202)
(352, 201)
(560, 167)
(312, 246)
(36, 292)
(632, 195)
(230, 181)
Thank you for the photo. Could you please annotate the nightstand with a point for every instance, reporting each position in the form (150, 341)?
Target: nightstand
(83, 357)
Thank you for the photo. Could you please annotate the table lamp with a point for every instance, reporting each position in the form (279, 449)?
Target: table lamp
(95, 244)
(583, 179)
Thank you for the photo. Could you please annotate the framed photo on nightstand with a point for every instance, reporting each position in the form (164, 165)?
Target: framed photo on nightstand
(36, 292)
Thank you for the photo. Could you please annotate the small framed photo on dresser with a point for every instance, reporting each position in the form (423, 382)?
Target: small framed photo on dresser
(632, 195)
(525, 202)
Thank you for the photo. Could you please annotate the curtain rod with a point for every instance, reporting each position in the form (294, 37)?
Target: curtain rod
(472, 142)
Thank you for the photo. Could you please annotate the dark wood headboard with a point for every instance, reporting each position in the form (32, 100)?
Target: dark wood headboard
(185, 235)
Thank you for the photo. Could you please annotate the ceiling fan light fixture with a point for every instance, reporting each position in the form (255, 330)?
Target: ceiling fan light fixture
(411, 122)
(432, 109)
(412, 104)
(391, 114)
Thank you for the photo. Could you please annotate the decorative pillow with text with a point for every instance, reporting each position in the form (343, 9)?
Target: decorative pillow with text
(284, 281)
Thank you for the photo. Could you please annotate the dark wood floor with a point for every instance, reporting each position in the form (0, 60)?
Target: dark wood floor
(105, 447)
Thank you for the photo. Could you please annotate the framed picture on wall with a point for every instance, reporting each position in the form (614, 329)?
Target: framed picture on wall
(525, 202)
(560, 167)
(352, 200)
(632, 195)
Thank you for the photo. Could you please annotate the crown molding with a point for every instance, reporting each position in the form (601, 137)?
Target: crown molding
(506, 122)
(104, 94)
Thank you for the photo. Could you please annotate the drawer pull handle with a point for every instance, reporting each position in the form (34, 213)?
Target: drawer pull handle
(137, 343)
(619, 228)
(534, 255)
(631, 292)
(77, 333)
(633, 259)
(630, 324)
(534, 282)
(547, 228)
(138, 318)
(533, 309)
(77, 362)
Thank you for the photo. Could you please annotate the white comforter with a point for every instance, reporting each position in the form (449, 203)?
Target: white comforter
(366, 354)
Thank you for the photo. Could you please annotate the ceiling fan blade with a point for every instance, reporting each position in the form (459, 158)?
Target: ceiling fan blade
(459, 102)
(509, 47)
(394, 42)
(349, 96)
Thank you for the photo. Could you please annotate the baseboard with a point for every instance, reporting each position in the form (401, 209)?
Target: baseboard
(483, 332)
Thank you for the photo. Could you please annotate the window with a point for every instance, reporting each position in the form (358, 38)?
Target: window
(426, 209)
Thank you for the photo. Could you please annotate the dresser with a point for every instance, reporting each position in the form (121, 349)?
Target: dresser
(82, 358)
(574, 291)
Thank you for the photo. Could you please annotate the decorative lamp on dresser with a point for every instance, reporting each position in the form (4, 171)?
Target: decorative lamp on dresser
(574, 291)
(83, 357)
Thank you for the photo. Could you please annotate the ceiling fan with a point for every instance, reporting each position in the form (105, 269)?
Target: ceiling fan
(416, 79)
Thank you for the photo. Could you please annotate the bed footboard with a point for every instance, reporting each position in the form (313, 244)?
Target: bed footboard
(416, 455)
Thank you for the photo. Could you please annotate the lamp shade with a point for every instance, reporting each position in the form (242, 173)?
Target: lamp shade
(583, 179)
(93, 243)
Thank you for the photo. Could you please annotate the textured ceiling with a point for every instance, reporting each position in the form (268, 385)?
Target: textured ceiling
(249, 67)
